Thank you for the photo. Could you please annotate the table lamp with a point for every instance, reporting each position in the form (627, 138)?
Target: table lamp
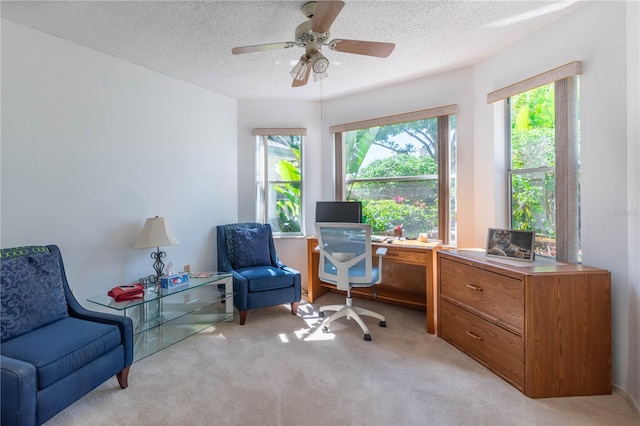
(156, 233)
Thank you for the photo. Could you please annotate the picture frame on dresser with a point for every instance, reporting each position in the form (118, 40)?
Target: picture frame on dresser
(511, 243)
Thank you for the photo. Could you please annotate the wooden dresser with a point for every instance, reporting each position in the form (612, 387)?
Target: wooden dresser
(543, 326)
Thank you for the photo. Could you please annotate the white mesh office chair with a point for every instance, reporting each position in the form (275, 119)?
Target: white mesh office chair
(346, 261)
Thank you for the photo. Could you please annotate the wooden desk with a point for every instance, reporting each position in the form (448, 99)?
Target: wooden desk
(408, 277)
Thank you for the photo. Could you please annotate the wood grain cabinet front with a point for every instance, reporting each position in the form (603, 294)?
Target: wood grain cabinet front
(545, 327)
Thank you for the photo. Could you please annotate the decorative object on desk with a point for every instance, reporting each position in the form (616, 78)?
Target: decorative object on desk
(200, 274)
(423, 238)
(511, 243)
(123, 293)
(397, 231)
(169, 270)
(150, 281)
(176, 280)
(156, 233)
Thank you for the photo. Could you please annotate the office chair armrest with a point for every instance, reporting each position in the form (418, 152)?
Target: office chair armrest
(382, 251)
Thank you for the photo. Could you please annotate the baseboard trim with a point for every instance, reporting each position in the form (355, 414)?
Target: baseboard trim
(634, 404)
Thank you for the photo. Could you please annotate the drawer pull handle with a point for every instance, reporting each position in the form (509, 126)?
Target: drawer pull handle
(474, 287)
(474, 336)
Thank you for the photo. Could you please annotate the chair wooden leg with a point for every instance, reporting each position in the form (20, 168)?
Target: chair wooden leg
(294, 308)
(243, 317)
(123, 378)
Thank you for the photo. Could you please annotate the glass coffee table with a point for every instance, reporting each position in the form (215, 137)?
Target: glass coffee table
(166, 316)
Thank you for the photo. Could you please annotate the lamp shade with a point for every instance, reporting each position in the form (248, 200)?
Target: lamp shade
(156, 233)
(318, 62)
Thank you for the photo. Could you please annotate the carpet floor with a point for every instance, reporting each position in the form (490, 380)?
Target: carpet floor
(280, 369)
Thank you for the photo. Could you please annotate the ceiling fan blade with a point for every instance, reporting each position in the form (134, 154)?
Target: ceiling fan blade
(326, 12)
(262, 47)
(369, 48)
(298, 83)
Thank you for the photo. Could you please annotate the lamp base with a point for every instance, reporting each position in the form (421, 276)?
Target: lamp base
(158, 265)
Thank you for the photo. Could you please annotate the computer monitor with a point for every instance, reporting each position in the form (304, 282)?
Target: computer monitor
(339, 211)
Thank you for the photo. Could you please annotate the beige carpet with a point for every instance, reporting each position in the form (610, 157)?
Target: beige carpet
(281, 369)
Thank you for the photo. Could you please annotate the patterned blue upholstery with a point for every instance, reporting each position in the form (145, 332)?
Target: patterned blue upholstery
(250, 247)
(32, 293)
(228, 237)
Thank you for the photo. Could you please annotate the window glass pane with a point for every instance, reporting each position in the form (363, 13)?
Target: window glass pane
(389, 203)
(280, 183)
(533, 198)
(533, 207)
(393, 170)
(283, 151)
(284, 212)
(533, 128)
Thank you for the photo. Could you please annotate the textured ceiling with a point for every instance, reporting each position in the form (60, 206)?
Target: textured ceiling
(192, 40)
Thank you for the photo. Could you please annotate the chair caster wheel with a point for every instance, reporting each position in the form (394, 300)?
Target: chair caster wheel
(383, 323)
(325, 329)
(321, 314)
(367, 337)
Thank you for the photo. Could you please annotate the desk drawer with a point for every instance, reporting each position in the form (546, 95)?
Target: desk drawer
(496, 348)
(404, 256)
(496, 297)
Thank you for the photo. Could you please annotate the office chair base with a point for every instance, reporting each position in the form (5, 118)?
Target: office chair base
(351, 312)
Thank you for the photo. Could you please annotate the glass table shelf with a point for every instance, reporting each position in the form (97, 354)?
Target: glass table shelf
(164, 317)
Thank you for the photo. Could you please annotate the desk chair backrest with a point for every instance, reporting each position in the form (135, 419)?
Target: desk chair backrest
(345, 254)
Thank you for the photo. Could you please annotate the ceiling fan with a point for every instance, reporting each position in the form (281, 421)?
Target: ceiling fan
(312, 35)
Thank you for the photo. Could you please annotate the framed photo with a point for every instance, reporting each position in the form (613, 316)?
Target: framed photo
(512, 244)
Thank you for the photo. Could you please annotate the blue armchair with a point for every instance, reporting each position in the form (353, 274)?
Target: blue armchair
(53, 350)
(246, 250)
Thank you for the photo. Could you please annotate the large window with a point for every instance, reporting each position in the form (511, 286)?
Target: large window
(543, 159)
(402, 169)
(279, 179)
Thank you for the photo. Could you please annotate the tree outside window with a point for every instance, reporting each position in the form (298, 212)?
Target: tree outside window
(395, 170)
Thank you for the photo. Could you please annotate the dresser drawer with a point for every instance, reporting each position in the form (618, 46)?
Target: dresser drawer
(496, 297)
(406, 256)
(498, 349)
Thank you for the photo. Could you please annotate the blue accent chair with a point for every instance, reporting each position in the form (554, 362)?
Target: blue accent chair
(53, 350)
(246, 250)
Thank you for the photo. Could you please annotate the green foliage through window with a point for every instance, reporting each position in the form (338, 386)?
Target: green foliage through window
(280, 182)
(533, 192)
(393, 171)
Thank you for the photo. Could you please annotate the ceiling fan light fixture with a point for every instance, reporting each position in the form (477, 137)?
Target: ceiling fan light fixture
(318, 62)
(317, 76)
(299, 71)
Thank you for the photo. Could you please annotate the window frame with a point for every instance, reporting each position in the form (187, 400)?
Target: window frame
(442, 114)
(262, 176)
(567, 138)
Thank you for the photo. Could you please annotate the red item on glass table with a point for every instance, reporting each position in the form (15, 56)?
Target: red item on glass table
(123, 293)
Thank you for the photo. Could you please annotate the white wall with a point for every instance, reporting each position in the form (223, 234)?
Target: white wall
(633, 193)
(92, 145)
(596, 35)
